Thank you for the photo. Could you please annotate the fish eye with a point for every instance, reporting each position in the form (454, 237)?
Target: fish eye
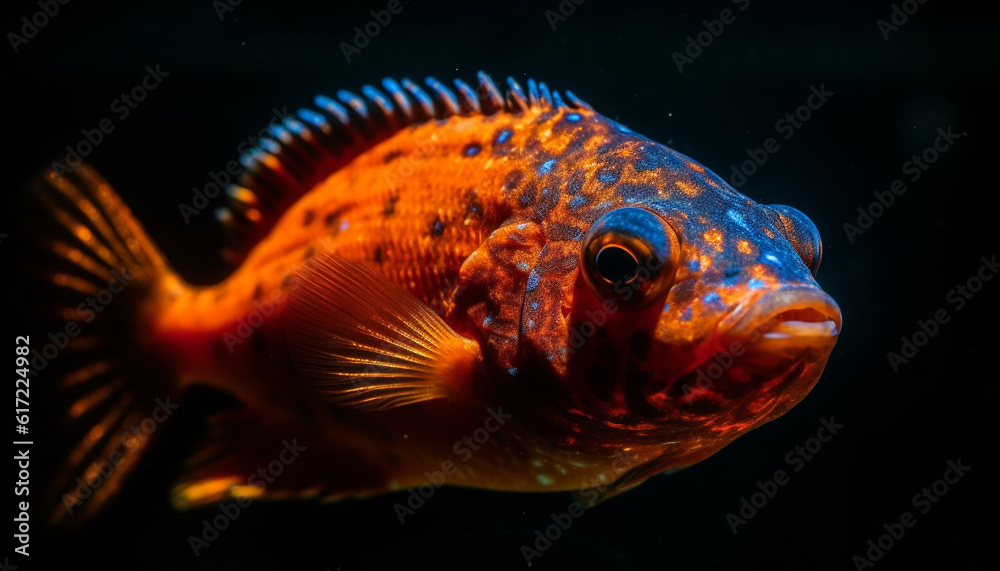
(801, 233)
(630, 255)
(615, 263)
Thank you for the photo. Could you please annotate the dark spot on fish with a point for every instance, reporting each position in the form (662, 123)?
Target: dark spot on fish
(472, 205)
(609, 174)
(392, 155)
(501, 142)
(378, 255)
(330, 219)
(390, 205)
(645, 162)
(308, 217)
(528, 194)
(258, 291)
(547, 200)
(513, 179)
(471, 150)
(576, 181)
(731, 273)
(286, 281)
(639, 346)
(437, 227)
(309, 253)
(503, 136)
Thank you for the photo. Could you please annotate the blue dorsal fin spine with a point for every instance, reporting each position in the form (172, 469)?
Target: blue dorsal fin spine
(305, 149)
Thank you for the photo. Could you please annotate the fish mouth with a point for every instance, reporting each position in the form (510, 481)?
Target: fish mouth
(786, 316)
(775, 348)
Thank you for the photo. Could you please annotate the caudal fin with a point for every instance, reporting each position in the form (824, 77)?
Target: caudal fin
(101, 278)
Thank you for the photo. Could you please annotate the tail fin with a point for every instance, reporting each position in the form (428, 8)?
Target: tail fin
(102, 279)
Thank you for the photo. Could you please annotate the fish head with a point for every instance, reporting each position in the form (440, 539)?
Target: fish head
(691, 309)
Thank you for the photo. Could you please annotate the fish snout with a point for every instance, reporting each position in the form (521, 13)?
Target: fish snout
(799, 314)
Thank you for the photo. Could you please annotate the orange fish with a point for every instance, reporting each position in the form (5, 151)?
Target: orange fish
(501, 291)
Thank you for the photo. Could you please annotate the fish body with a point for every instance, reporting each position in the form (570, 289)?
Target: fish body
(510, 293)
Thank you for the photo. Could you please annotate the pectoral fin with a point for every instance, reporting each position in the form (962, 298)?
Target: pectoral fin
(362, 341)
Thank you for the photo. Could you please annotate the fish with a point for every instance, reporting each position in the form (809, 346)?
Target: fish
(503, 290)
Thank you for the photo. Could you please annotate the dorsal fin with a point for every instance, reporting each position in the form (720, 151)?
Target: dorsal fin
(304, 150)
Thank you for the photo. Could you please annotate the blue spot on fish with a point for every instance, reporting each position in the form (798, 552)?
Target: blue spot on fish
(607, 176)
(694, 265)
(545, 480)
(687, 315)
(534, 305)
(755, 284)
(512, 371)
(711, 297)
(737, 218)
(504, 136)
(546, 166)
(577, 202)
(523, 266)
(573, 117)
(533, 280)
(471, 150)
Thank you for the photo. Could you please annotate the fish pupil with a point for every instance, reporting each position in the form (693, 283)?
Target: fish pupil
(616, 263)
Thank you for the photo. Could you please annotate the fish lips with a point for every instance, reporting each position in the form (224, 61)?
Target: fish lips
(790, 317)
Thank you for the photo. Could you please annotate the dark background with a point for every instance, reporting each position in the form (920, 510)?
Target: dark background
(938, 70)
